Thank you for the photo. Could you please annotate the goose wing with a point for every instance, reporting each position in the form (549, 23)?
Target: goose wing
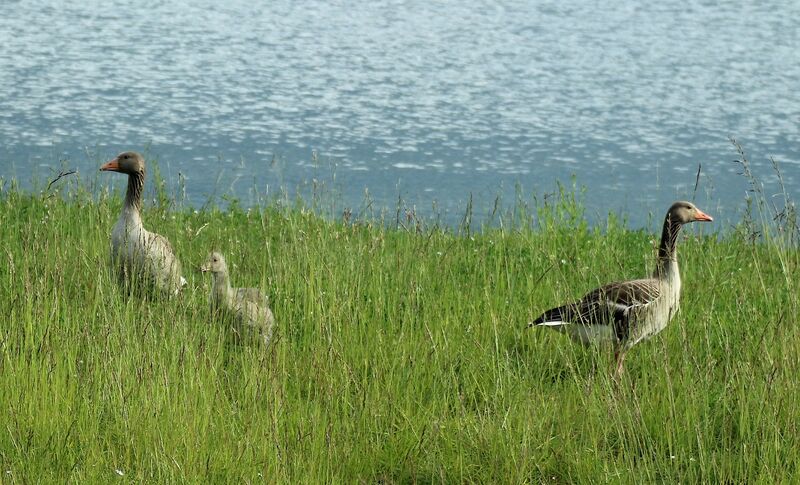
(165, 266)
(611, 305)
(253, 306)
(253, 309)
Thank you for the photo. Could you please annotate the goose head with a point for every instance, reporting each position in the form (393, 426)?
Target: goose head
(685, 212)
(215, 264)
(130, 163)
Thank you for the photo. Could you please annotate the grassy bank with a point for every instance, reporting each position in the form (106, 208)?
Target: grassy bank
(401, 355)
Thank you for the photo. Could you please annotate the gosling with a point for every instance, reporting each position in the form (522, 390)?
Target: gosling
(246, 309)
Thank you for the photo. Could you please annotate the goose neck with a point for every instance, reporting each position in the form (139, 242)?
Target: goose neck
(667, 249)
(133, 197)
(222, 286)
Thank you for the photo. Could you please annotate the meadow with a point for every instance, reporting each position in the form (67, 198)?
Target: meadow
(401, 352)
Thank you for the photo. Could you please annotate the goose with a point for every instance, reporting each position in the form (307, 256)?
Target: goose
(248, 307)
(143, 258)
(626, 312)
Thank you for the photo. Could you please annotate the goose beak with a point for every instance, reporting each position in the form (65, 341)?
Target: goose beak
(110, 166)
(702, 216)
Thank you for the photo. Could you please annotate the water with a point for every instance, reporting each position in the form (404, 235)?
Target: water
(426, 102)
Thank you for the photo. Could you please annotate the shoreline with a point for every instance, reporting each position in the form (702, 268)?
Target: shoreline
(398, 355)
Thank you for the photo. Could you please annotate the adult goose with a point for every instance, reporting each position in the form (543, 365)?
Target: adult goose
(144, 259)
(627, 312)
(247, 308)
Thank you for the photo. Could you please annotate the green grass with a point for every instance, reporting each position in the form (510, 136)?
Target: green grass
(401, 355)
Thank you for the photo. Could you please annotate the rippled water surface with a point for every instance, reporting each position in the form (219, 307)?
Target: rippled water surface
(428, 101)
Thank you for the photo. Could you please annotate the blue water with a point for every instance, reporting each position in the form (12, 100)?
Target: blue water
(428, 102)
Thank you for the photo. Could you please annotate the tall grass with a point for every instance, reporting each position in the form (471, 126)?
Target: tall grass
(401, 353)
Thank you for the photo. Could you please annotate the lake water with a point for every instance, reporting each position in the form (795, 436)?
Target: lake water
(425, 101)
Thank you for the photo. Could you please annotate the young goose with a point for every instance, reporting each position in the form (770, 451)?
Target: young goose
(142, 258)
(627, 312)
(248, 307)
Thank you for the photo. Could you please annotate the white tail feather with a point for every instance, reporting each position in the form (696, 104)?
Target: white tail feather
(182, 284)
(554, 323)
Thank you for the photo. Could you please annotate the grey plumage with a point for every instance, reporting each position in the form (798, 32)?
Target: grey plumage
(614, 304)
(142, 258)
(626, 312)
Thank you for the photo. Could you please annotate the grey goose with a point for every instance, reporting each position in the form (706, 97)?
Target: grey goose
(143, 259)
(626, 312)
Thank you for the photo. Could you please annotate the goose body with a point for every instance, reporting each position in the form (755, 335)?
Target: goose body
(142, 258)
(624, 313)
(248, 308)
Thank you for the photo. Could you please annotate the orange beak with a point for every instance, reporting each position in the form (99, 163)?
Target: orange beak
(110, 166)
(702, 216)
